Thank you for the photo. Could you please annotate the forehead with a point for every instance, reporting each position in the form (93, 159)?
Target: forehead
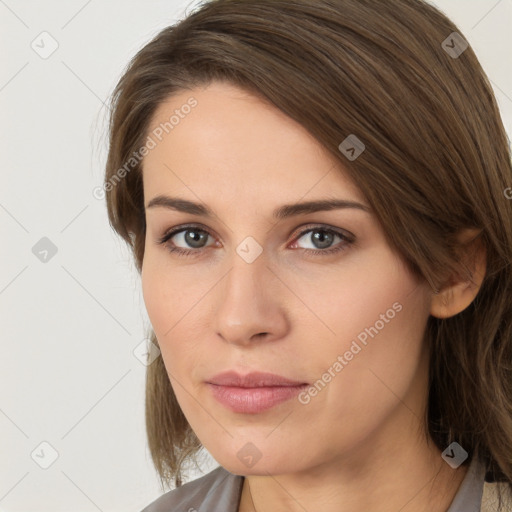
(234, 143)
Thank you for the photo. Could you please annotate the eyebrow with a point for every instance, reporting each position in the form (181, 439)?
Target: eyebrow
(283, 212)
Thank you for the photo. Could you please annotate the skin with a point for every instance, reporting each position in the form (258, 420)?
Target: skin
(358, 444)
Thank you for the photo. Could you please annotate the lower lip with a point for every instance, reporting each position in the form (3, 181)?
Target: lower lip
(254, 400)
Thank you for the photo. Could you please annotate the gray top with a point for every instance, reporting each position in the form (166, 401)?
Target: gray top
(220, 491)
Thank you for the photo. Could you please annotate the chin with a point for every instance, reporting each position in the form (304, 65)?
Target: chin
(276, 464)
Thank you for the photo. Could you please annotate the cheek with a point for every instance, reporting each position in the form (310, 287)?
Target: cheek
(170, 299)
(379, 355)
(373, 296)
(373, 358)
(165, 290)
(155, 289)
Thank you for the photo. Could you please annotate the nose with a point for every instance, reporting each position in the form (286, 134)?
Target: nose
(250, 305)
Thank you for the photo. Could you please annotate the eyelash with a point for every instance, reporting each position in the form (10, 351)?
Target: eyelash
(346, 241)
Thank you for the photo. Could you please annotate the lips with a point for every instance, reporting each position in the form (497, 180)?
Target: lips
(253, 393)
(252, 380)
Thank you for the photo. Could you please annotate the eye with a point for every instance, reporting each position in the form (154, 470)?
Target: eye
(322, 239)
(190, 240)
(191, 235)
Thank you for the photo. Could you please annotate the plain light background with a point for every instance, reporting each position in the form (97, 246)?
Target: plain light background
(72, 326)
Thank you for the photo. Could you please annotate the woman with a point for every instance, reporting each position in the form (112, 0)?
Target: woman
(314, 193)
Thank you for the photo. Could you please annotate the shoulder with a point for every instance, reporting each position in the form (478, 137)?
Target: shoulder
(217, 490)
(490, 497)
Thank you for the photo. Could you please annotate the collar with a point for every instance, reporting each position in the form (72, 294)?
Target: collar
(469, 495)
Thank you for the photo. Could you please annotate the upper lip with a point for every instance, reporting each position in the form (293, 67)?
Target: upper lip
(252, 380)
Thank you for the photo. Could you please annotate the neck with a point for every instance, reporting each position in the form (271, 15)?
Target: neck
(396, 483)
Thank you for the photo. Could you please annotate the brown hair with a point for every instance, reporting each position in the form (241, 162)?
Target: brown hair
(436, 161)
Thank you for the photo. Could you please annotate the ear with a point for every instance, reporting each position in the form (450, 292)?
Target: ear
(458, 292)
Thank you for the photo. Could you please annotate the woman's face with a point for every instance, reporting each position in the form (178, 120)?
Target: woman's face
(316, 297)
